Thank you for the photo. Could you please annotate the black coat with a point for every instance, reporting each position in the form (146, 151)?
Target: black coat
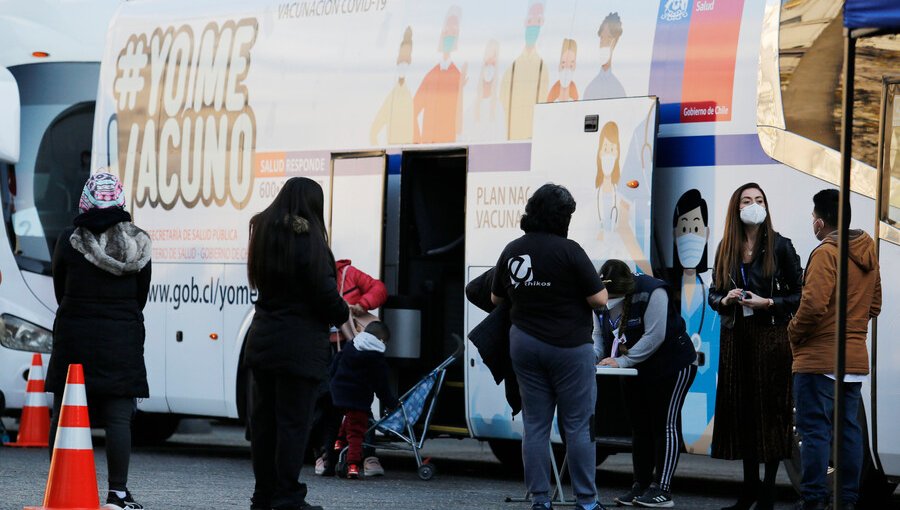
(784, 287)
(358, 376)
(290, 329)
(100, 321)
(491, 338)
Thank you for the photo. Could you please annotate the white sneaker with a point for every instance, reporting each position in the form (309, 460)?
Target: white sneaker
(320, 465)
(372, 467)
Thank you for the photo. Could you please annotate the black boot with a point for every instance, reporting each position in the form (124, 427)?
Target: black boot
(766, 499)
(749, 495)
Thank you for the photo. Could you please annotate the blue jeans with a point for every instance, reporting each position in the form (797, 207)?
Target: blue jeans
(814, 401)
(563, 380)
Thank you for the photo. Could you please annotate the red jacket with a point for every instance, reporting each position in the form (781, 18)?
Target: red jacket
(358, 288)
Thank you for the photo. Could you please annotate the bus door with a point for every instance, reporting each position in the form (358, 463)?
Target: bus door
(430, 289)
(602, 152)
(356, 226)
(885, 350)
(194, 338)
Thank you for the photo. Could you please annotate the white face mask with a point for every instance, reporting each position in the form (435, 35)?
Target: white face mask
(402, 68)
(607, 163)
(753, 214)
(488, 73)
(690, 249)
(605, 54)
(614, 302)
(565, 77)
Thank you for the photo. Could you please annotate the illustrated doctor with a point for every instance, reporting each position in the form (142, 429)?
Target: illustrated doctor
(691, 236)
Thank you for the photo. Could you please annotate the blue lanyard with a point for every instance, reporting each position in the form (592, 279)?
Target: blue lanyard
(614, 325)
(744, 277)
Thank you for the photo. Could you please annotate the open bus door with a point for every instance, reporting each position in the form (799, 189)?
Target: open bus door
(602, 151)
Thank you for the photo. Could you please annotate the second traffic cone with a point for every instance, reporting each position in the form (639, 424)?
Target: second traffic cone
(34, 427)
(72, 483)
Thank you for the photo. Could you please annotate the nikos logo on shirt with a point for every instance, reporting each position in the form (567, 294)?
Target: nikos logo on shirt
(521, 272)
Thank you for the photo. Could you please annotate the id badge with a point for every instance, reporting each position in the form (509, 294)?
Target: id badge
(747, 311)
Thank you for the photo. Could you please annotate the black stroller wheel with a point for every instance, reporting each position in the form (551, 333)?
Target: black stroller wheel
(426, 472)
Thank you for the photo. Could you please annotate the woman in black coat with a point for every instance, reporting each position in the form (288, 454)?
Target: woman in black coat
(756, 289)
(101, 275)
(288, 352)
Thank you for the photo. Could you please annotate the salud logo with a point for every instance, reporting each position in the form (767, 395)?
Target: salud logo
(520, 270)
(675, 10)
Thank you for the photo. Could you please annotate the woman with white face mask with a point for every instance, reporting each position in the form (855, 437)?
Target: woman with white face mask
(642, 328)
(564, 89)
(757, 282)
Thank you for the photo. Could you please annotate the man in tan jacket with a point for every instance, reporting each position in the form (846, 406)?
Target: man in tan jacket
(813, 339)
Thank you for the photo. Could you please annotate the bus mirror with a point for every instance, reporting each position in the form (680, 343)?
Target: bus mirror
(9, 117)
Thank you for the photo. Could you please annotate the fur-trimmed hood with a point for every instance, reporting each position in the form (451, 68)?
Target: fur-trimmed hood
(121, 249)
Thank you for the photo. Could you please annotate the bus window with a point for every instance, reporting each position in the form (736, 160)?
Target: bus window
(57, 129)
(810, 58)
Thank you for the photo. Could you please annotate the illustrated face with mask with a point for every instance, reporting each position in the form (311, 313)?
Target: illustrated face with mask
(533, 23)
(609, 155)
(449, 35)
(753, 207)
(607, 44)
(691, 236)
(566, 68)
(402, 68)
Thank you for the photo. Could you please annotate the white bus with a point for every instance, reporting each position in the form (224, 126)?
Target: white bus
(49, 72)
(428, 124)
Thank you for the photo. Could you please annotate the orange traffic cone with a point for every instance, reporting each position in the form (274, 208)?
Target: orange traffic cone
(72, 483)
(34, 428)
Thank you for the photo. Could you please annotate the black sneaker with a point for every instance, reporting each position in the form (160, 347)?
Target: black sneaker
(114, 502)
(628, 498)
(655, 498)
(595, 506)
(542, 506)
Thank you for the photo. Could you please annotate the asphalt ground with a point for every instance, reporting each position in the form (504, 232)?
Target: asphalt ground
(208, 467)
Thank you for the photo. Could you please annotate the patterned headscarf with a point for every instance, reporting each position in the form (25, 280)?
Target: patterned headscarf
(102, 191)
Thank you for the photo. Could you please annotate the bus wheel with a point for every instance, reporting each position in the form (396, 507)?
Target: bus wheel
(152, 428)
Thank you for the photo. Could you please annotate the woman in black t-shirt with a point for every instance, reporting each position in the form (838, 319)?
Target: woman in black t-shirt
(552, 286)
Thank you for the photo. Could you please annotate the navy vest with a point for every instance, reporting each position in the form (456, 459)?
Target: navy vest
(677, 350)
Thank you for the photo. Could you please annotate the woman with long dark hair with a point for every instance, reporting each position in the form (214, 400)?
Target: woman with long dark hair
(287, 350)
(552, 287)
(756, 289)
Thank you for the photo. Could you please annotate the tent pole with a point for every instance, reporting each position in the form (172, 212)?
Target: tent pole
(843, 256)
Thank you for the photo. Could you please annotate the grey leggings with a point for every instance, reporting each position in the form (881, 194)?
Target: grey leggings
(116, 413)
(560, 379)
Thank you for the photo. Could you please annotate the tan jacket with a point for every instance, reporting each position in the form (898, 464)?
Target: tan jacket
(813, 329)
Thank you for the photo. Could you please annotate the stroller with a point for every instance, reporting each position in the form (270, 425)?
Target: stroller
(398, 425)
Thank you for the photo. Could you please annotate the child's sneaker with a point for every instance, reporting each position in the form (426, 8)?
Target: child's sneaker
(114, 502)
(372, 467)
(593, 506)
(655, 498)
(353, 472)
(339, 445)
(628, 498)
(320, 464)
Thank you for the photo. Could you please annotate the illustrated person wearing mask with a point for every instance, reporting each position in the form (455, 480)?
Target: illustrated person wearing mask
(564, 89)
(613, 209)
(641, 328)
(756, 289)
(690, 226)
(526, 81)
(484, 119)
(396, 113)
(813, 339)
(605, 85)
(438, 101)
